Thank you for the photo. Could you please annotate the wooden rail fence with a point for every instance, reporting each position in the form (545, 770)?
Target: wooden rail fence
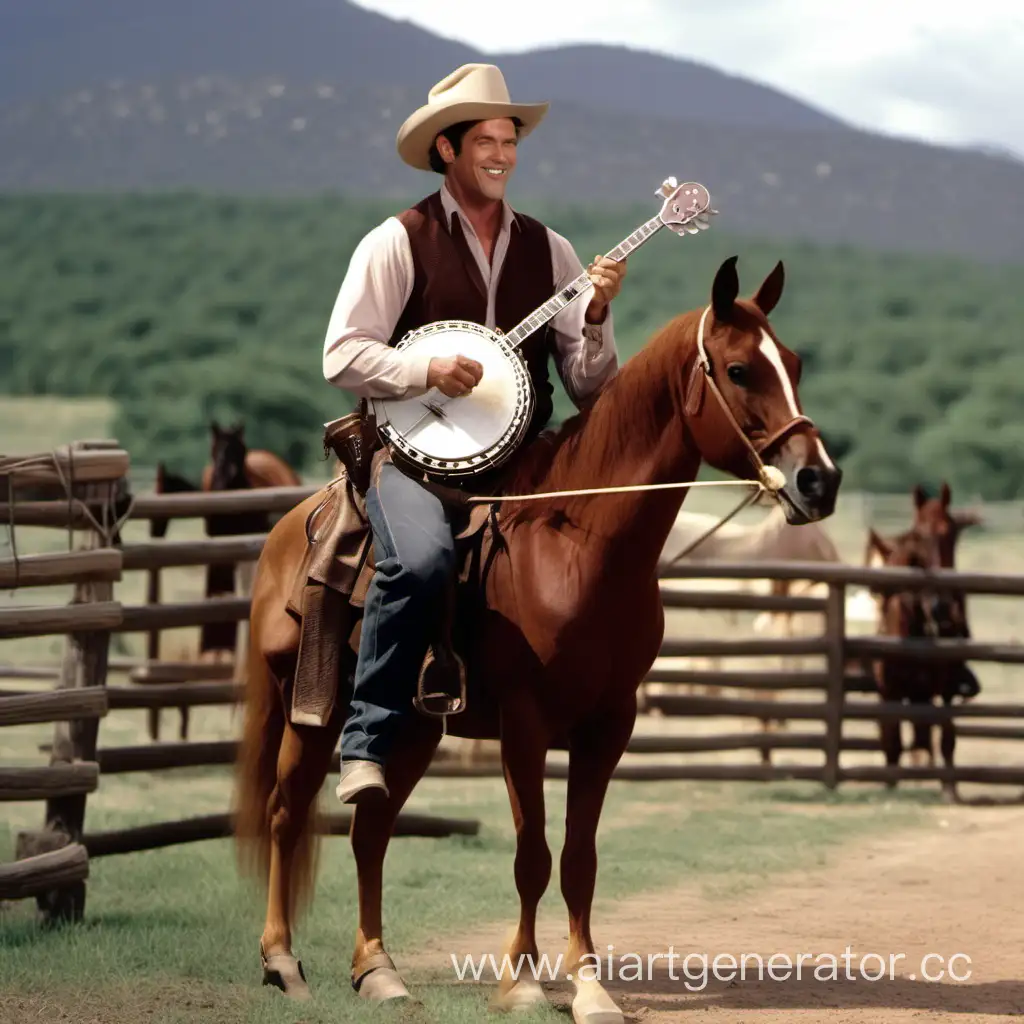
(827, 695)
(87, 480)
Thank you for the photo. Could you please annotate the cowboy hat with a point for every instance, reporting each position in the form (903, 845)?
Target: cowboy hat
(473, 92)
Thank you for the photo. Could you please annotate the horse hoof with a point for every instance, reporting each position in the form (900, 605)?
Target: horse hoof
(593, 1005)
(376, 980)
(523, 995)
(382, 984)
(283, 971)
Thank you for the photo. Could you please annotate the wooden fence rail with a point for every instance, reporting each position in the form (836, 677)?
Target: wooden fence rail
(84, 696)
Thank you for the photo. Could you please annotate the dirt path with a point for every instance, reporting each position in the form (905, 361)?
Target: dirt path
(954, 886)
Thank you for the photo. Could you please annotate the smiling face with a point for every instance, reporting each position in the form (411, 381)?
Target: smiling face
(479, 172)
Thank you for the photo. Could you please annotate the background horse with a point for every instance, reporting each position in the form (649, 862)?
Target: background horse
(232, 466)
(773, 539)
(567, 622)
(920, 614)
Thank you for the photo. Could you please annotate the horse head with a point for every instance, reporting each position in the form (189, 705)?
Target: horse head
(227, 455)
(932, 517)
(753, 412)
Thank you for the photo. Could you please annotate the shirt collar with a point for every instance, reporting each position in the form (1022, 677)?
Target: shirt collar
(451, 208)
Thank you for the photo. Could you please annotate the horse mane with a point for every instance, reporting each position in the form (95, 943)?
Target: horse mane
(583, 448)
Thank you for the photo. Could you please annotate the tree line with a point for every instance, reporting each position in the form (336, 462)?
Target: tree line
(188, 307)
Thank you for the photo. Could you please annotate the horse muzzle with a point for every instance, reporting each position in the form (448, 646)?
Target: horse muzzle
(812, 480)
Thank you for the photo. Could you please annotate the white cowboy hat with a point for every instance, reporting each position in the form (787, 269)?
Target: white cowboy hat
(473, 92)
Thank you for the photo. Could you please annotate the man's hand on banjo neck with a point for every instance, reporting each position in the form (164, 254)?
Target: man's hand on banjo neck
(458, 376)
(454, 377)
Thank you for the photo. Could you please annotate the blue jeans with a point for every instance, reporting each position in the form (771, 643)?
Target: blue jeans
(415, 556)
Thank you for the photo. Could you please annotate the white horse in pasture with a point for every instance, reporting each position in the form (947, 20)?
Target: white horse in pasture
(770, 540)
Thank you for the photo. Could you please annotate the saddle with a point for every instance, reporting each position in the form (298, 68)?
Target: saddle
(329, 589)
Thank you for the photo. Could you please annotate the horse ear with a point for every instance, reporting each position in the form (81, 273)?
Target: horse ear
(215, 428)
(945, 496)
(768, 295)
(919, 495)
(239, 430)
(725, 289)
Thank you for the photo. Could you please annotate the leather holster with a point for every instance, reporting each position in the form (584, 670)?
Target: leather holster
(354, 440)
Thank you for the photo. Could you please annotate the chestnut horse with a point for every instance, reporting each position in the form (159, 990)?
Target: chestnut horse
(233, 467)
(571, 621)
(929, 543)
(929, 613)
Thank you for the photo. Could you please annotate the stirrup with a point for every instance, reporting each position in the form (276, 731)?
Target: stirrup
(440, 704)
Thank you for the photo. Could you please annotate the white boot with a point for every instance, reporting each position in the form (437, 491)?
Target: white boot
(359, 779)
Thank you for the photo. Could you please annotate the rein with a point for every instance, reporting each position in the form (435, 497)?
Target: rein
(770, 480)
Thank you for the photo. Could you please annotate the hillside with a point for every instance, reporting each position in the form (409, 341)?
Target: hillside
(50, 47)
(184, 308)
(269, 98)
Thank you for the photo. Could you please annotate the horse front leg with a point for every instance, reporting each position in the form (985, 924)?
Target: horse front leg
(524, 747)
(595, 749)
(889, 728)
(303, 760)
(922, 753)
(374, 975)
(947, 744)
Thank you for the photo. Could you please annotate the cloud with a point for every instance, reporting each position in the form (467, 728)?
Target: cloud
(933, 71)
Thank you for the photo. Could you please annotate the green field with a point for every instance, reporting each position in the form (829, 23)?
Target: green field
(183, 307)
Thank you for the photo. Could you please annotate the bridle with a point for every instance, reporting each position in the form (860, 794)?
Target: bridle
(702, 376)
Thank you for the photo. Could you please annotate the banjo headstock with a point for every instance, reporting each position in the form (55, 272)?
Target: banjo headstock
(687, 207)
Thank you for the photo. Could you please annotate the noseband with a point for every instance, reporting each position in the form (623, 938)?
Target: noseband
(695, 392)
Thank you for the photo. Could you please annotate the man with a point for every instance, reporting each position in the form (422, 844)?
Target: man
(461, 253)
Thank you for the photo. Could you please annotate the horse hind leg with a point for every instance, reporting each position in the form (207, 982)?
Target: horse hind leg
(303, 761)
(374, 975)
(595, 750)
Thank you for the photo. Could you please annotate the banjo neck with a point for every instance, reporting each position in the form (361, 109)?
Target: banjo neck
(543, 313)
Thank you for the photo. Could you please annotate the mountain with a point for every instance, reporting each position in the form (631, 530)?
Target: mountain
(267, 97)
(49, 47)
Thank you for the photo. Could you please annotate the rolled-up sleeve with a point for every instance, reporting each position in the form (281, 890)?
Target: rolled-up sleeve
(357, 357)
(585, 354)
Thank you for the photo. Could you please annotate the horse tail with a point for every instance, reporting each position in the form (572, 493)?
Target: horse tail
(266, 730)
(258, 750)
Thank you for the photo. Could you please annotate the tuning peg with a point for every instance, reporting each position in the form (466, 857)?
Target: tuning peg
(668, 186)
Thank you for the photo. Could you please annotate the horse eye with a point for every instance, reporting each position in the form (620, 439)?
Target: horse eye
(738, 374)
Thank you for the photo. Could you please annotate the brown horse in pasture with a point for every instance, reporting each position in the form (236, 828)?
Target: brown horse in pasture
(930, 543)
(569, 622)
(232, 466)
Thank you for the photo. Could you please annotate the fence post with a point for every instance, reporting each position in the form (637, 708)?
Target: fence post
(84, 665)
(835, 636)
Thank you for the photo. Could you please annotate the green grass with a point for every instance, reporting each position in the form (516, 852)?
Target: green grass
(169, 925)
(31, 425)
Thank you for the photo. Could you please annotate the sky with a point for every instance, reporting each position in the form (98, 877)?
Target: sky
(942, 71)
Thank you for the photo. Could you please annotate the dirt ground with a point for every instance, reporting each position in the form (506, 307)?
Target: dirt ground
(952, 887)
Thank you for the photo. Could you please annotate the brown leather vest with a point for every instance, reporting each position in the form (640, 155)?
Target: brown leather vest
(448, 286)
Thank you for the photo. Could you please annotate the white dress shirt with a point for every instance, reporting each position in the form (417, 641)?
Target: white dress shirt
(377, 286)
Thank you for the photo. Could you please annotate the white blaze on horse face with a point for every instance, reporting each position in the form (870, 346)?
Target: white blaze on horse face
(771, 352)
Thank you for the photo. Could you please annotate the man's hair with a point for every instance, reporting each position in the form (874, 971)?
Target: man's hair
(454, 135)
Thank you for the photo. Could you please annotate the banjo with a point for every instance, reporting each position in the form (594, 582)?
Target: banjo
(464, 436)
